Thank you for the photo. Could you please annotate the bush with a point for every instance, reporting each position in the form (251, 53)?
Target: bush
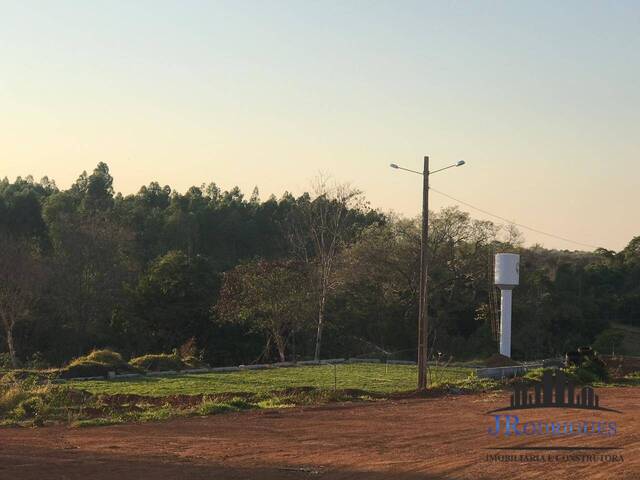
(31, 407)
(240, 403)
(582, 375)
(97, 364)
(608, 341)
(106, 357)
(5, 360)
(10, 398)
(24, 398)
(188, 348)
(535, 375)
(589, 372)
(593, 368)
(158, 362)
(81, 367)
(32, 400)
(212, 408)
(208, 407)
(100, 362)
(471, 384)
(37, 362)
(194, 362)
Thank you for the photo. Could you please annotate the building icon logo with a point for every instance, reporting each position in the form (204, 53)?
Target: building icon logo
(555, 391)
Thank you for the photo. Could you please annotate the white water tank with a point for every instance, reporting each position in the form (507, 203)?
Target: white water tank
(507, 270)
(507, 276)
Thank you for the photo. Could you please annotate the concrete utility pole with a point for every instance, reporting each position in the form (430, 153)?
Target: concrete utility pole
(423, 323)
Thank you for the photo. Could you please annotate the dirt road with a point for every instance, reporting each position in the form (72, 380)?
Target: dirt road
(440, 438)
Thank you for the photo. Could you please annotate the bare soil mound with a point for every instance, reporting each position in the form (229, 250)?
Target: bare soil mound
(498, 360)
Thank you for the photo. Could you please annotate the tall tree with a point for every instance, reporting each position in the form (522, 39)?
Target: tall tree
(98, 189)
(269, 297)
(320, 228)
(172, 302)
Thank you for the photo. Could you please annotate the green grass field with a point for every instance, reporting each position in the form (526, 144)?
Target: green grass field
(30, 401)
(374, 378)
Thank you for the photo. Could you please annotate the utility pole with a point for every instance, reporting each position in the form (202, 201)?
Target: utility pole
(423, 323)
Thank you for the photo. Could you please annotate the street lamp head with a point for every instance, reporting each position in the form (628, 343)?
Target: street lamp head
(460, 163)
(393, 165)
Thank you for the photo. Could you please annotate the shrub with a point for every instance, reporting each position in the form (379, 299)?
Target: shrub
(5, 360)
(96, 364)
(471, 384)
(81, 367)
(212, 408)
(274, 403)
(96, 422)
(106, 357)
(589, 372)
(11, 397)
(209, 407)
(594, 368)
(30, 407)
(194, 362)
(37, 362)
(34, 399)
(239, 403)
(581, 375)
(26, 398)
(158, 362)
(535, 375)
(608, 341)
(156, 414)
(188, 348)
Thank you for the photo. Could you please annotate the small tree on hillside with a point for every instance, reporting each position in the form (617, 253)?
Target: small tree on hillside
(270, 297)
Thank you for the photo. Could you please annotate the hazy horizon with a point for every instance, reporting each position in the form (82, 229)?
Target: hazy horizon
(540, 99)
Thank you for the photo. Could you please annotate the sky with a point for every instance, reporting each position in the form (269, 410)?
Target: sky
(540, 98)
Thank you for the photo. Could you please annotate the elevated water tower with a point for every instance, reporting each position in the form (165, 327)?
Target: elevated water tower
(507, 276)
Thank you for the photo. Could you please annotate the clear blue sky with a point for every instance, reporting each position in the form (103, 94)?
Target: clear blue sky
(541, 99)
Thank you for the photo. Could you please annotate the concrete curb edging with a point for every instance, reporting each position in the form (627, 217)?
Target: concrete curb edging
(401, 362)
(505, 372)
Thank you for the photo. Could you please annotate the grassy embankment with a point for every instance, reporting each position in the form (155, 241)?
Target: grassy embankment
(33, 399)
(81, 403)
(372, 378)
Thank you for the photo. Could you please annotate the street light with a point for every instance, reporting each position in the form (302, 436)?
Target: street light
(423, 333)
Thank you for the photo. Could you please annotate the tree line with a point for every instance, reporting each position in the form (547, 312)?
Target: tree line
(318, 275)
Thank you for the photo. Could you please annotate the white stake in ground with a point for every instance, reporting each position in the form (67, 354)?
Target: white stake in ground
(507, 276)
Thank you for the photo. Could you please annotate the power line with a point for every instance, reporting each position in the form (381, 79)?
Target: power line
(466, 204)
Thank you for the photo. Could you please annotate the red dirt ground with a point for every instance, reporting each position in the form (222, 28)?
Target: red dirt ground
(412, 439)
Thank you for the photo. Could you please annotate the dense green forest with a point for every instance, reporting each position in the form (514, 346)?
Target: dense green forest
(322, 274)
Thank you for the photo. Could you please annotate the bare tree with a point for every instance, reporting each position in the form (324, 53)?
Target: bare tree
(20, 277)
(319, 229)
(513, 236)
